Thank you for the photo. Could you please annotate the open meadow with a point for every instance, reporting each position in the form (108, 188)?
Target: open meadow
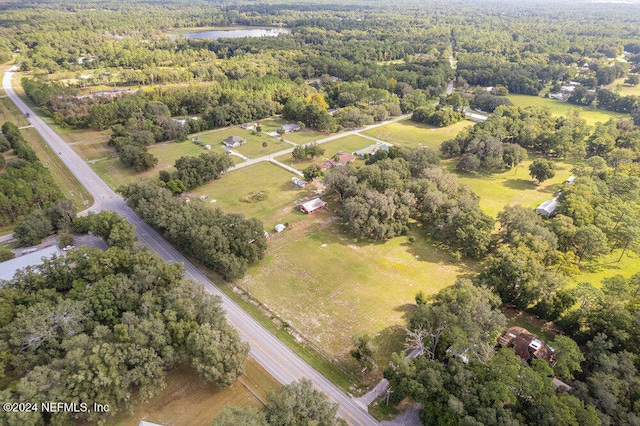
(414, 135)
(189, 400)
(561, 108)
(280, 196)
(624, 89)
(498, 190)
(301, 137)
(252, 149)
(331, 287)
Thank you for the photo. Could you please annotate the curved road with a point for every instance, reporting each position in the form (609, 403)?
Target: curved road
(280, 361)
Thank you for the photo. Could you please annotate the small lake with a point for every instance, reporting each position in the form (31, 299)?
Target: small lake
(248, 32)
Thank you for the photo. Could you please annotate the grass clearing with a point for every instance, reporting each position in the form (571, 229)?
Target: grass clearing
(114, 173)
(189, 400)
(301, 137)
(347, 287)
(608, 266)
(348, 144)
(511, 187)
(66, 181)
(624, 89)
(412, 135)
(561, 108)
(282, 196)
(252, 149)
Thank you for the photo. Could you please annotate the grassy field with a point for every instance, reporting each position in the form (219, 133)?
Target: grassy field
(511, 187)
(624, 89)
(411, 134)
(188, 400)
(252, 149)
(608, 266)
(68, 184)
(346, 287)
(113, 172)
(301, 137)
(282, 196)
(558, 108)
(349, 144)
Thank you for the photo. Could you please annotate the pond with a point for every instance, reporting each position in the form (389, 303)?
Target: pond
(237, 33)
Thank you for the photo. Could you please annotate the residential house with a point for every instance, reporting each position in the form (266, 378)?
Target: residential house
(30, 257)
(234, 141)
(311, 205)
(248, 126)
(526, 345)
(340, 159)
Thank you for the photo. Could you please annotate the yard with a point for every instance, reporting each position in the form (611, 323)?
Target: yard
(188, 400)
(280, 195)
(9, 112)
(558, 108)
(332, 287)
(411, 134)
(624, 89)
(301, 137)
(252, 149)
(347, 144)
(498, 190)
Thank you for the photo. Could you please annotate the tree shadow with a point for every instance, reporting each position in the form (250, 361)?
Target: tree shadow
(519, 184)
(388, 341)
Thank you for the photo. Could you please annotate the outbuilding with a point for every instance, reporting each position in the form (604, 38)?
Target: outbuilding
(548, 208)
(312, 205)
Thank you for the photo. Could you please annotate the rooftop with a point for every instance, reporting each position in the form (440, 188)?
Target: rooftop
(10, 267)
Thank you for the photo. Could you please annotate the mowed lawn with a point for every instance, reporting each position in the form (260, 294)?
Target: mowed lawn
(281, 200)
(114, 173)
(512, 186)
(301, 137)
(561, 108)
(608, 266)
(413, 135)
(624, 89)
(252, 149)
(189, 400)
(348, 144)
(332, 287)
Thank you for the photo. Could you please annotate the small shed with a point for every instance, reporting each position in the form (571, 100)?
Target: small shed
(234, 141)
(248, 126)
(548, 208)
(570, 180)
(207, 147)
(312, 205)
(288, 128)
(280, 227)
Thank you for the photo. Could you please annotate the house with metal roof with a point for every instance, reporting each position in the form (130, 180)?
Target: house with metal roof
(234, 141)
(548, 208)
(311, 205)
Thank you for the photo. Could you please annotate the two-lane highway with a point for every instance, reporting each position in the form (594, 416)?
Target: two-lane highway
(266, 349)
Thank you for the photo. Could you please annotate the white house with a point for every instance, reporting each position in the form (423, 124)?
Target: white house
(31, 258)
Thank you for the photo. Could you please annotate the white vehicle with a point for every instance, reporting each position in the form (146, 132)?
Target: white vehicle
(69, 247)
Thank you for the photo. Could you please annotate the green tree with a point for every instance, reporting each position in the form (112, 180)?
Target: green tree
(240, 416)
(299, 404)
(542, 170)
(311, 172)
(567, 356)
(31, 229)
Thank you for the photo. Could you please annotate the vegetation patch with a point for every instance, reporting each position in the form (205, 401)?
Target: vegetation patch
(254, 197)
(413, 135)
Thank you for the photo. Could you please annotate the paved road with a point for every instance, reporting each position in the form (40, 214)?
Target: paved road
(266, 349)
